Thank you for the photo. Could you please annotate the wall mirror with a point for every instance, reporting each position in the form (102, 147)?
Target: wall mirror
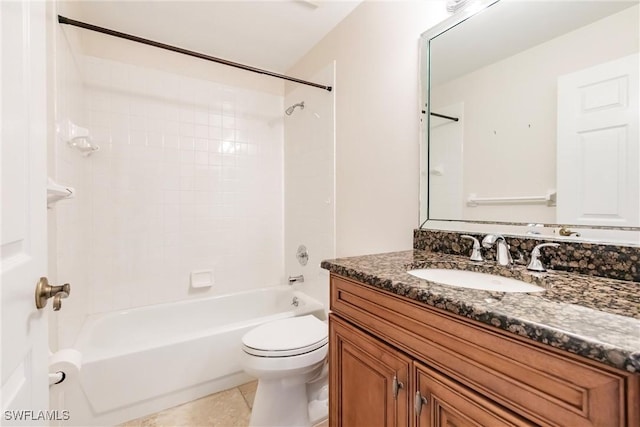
(530, 119)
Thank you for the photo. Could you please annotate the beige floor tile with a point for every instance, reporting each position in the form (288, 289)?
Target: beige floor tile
(249, 398)
(248, 387)
(248, 391)
(230, 408)
(149, 421)
(224, 409)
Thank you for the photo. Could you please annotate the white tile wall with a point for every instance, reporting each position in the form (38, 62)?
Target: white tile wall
(189, 177)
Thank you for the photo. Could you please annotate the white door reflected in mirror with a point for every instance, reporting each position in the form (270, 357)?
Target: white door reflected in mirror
(599, 145)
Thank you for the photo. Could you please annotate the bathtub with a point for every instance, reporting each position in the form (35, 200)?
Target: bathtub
(140, 361)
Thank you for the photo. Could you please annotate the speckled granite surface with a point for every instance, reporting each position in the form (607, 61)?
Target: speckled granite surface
(604, 260)
(594, 317)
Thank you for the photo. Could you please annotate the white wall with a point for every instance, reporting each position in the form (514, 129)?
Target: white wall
(309, 183)
(510, 141)
(377, 121)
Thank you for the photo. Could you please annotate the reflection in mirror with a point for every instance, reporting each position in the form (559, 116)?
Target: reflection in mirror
(546, 97)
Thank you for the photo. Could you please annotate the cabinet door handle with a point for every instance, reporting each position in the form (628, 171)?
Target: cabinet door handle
(397, 385)
(419, 401)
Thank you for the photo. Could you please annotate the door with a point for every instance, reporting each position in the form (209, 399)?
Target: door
(440, 402)
(368, 381)
(23, 230)
(599, 145)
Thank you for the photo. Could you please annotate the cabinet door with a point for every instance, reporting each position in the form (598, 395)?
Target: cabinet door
(368, 380)
(440, 401)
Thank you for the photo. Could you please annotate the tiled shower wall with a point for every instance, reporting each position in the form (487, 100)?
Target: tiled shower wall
(188, 177)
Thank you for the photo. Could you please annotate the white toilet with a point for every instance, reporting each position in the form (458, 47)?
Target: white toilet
(288, 357)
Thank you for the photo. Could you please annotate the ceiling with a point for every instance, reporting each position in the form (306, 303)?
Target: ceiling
(509, 27)
(272, 35)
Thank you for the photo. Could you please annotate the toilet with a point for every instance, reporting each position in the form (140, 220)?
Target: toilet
(289, 358)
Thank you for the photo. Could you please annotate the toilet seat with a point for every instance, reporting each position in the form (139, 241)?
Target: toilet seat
(288, 356)
(286, 337)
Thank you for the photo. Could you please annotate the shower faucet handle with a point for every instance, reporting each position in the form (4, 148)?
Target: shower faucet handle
(302, 255)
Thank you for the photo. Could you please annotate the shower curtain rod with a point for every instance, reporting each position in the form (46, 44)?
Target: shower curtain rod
(455, 119)
(64, 20)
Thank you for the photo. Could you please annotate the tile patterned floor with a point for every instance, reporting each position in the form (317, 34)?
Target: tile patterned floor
(229, 408)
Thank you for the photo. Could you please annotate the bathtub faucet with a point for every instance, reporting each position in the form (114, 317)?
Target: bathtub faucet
(294, 279)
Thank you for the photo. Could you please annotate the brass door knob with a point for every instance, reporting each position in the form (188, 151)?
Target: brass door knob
(567, 232)
(44, 291)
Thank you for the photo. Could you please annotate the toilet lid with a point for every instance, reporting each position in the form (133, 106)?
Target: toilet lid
(286, 337)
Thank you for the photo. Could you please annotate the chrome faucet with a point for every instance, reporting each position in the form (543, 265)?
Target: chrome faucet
(475, 251)
(535, 264)
(503, 257)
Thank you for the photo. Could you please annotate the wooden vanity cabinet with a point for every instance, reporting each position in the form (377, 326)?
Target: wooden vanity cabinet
(442, 402)
(368, 377)
(377, 386)
(457, 371)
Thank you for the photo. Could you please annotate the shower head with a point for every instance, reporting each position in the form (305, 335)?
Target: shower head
(290, 110)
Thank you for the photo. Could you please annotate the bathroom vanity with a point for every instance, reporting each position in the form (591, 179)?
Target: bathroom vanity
(502, 150)
(408, 352)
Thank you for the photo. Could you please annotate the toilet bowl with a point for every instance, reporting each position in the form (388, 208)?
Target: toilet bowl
(288, 357)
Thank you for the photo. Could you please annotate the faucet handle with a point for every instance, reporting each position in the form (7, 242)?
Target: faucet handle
(535, 264)
(475, 251)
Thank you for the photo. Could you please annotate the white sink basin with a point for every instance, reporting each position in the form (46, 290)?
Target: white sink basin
(474, 280)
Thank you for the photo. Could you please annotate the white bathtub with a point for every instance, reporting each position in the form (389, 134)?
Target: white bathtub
(140, 361)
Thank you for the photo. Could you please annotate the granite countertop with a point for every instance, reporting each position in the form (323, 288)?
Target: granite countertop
(594, 317)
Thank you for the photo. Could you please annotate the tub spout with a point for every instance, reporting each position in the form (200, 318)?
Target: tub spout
(294, 279)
